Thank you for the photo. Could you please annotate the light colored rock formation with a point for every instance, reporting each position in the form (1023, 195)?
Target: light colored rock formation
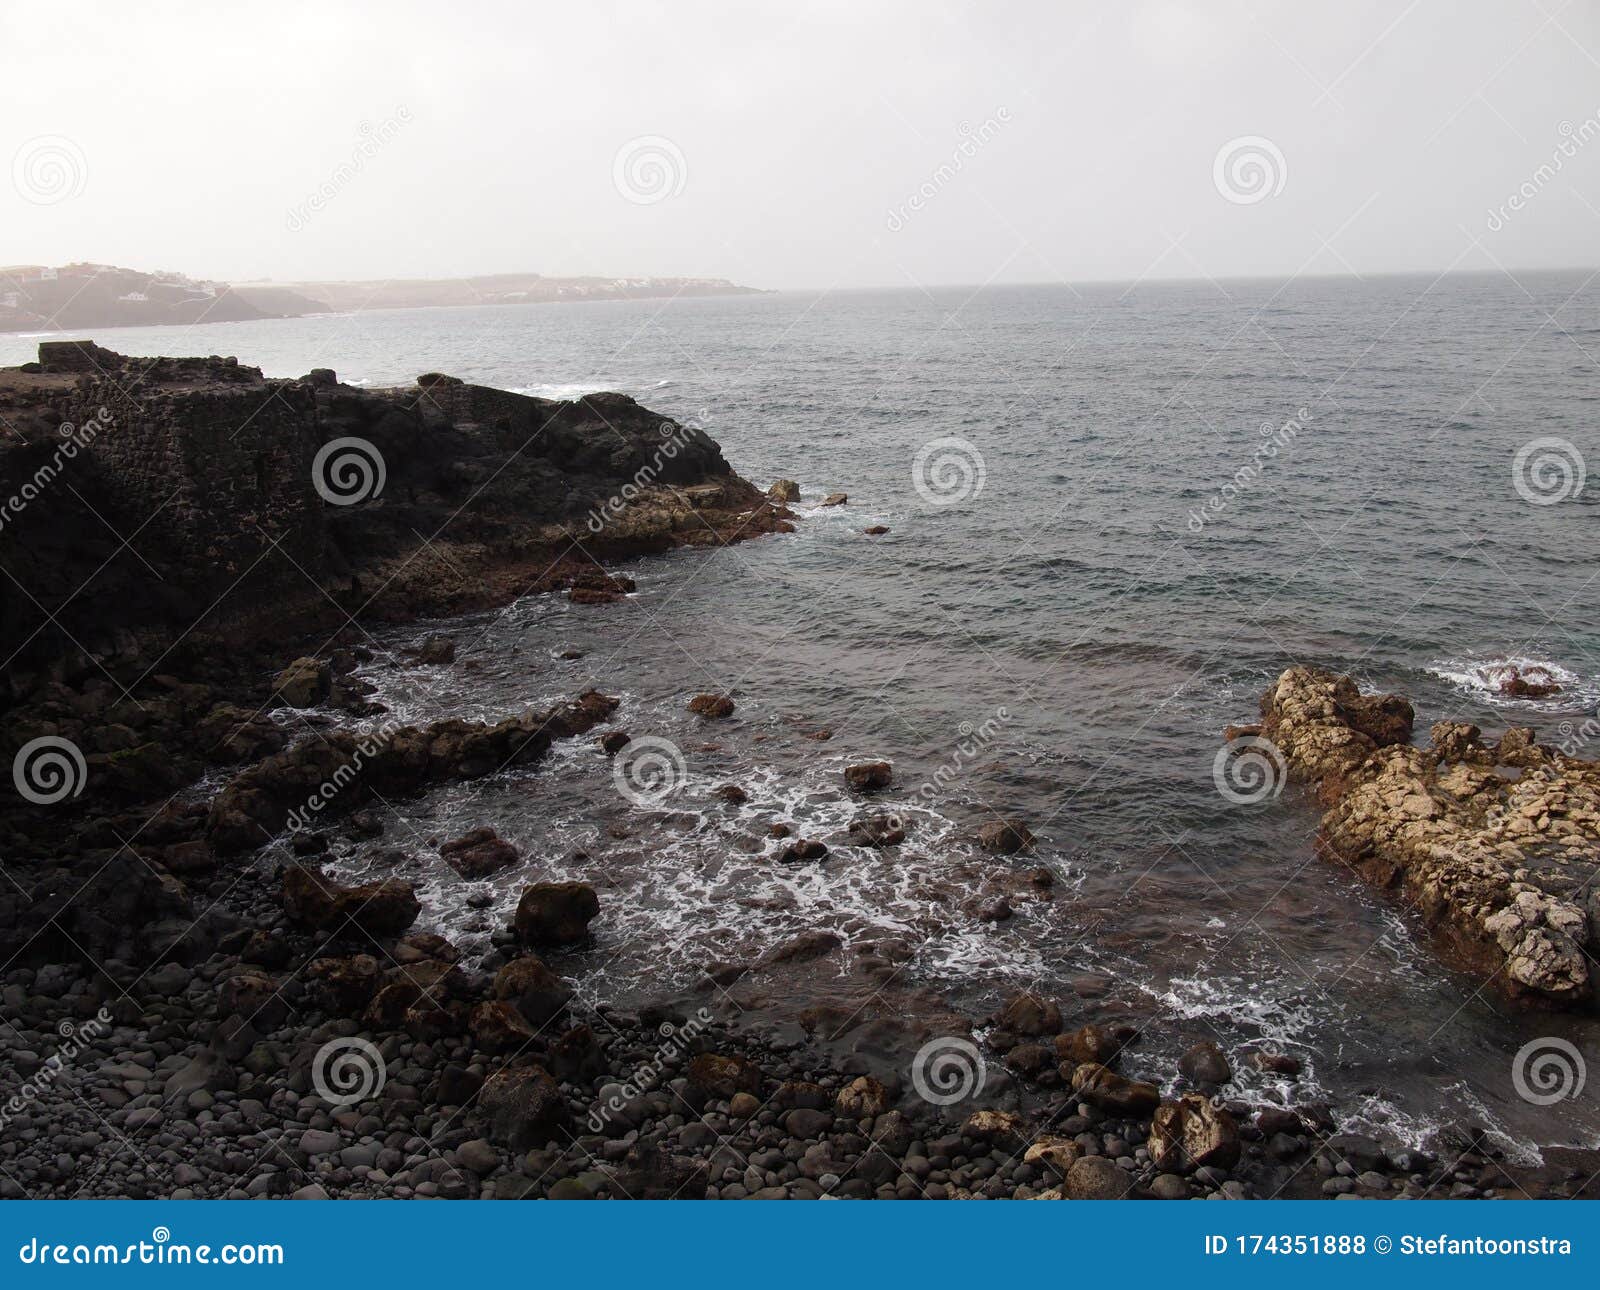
(1495, 846)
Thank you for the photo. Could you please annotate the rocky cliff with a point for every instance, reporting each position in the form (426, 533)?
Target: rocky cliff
(167, 506)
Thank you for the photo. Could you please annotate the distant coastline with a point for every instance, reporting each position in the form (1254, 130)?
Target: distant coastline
(68, 297)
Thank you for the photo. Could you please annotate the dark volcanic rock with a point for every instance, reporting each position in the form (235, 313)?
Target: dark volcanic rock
(555, 913)
(1004, 837)
(479, 853)
(711, 705)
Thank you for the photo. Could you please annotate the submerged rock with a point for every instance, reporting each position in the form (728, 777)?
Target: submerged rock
(711, 705)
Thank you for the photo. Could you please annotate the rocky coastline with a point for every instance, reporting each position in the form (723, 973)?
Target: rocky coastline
(190, 1005)
(1492, 844)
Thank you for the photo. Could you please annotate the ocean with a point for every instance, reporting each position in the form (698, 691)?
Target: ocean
(1116, 513)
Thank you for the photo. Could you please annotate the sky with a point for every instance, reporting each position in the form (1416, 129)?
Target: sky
(818, 146)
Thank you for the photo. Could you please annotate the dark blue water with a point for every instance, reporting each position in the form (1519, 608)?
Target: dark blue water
(1063, 644)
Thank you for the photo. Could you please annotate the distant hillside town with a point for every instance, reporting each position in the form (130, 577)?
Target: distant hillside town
(76, 296)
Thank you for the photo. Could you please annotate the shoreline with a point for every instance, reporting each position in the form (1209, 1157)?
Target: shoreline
(224, 980)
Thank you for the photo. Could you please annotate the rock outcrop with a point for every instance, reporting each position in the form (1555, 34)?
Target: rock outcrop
(259, 507)
(1493, 845)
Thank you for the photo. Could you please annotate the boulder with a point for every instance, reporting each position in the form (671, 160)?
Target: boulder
(478, 853)
(878, 831)
(1096, 1178)
(497, 1027)
(1002, 1129)
(1102, 1087)
(524, 1107)
(862, 1099)
(869, 776)
(1054, 1152)
(711, 705)
(1204, 1063)
(304, 683)
(437, 649)
(384, 908)
(834, 499)
(555, 913)
(785, 490)
(804, 849)
(1091, 1043)
(1191, 1133)
(718, 1076)
(1029, 1014)
(532, 988)
(1004, 837)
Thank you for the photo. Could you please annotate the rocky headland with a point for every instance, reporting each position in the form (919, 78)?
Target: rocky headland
(193, 1004)
(1493, 844)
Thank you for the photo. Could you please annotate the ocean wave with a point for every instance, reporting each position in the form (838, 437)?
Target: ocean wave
(1487, 678)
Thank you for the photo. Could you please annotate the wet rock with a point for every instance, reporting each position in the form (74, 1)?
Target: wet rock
(876, 530)
(711, 705)
(834, 499)
(304, 683)
(532, 988)
(1204, 1063)
(437, 649)
(1091, 1043)
(1102, 1087)
(732, 794)
(555, 913)
(785, 490)
(803, 948)
(878, 831)
(869, 776)
(1190, 1133)
(1004, 837)
(384, 908)
(803, 850)
(1029, 1014)
(478, 853)
(1479, 854)
(577, 1056)
(614, 741)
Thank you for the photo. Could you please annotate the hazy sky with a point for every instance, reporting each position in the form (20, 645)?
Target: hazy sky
(801, 145)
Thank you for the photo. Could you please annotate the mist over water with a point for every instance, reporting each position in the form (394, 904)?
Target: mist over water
(1087, 618)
